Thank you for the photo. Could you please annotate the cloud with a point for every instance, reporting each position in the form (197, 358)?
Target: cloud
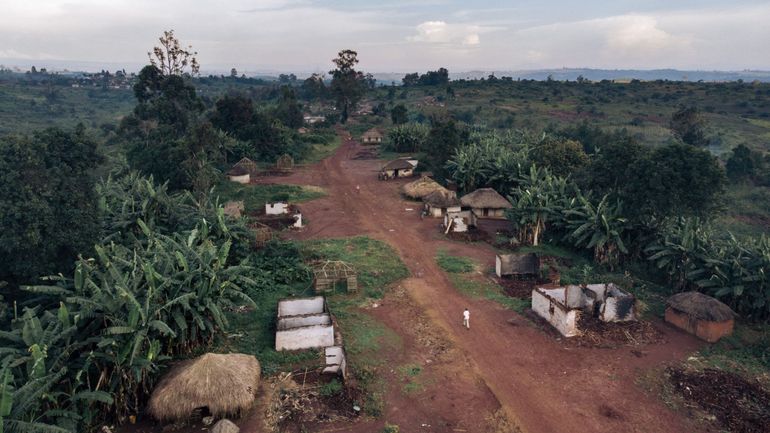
(443, 33)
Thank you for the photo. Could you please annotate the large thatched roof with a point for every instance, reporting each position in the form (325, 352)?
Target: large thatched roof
(485, 198)
(421, 187)
(225, 384)
(442, 198)
(700, 306)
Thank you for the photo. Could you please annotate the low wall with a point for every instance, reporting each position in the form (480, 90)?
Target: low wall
(301, 306)
(548, 304)
(308, 337)
(276, 208)
(244, 178)
(290, 322)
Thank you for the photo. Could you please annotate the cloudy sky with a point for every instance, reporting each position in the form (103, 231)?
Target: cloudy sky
(396, 35)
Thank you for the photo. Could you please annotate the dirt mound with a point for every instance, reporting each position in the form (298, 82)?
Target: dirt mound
(367, 153)
(520, 288)
(738, 405)
(472, 235)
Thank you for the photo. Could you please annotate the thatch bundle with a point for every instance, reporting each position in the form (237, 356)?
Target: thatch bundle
(421, 187)
(225, 384)
(442, 198)
(485, 198)
(700, 306)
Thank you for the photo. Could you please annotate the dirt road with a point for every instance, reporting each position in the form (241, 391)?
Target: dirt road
(544, 385)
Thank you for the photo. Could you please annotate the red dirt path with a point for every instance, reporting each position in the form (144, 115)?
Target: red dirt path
(542, 384)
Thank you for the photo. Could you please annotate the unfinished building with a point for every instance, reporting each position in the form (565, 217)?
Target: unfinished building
(328, 273)
(517, 265)
(563, 307)
(303, 323)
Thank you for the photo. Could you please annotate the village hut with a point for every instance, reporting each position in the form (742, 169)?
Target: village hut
(397, 168)
(486, 203)
(234, 208)
(222, 384)
(701, 315)
(440, 202)
(285, 162)
(372, 136)
(421, 187)
(302, 130)
(242, 171)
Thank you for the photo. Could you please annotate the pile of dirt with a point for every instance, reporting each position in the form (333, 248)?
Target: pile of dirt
(520, 288)
(739, 405)
(596, 333)
(472, 235)
(367, 153)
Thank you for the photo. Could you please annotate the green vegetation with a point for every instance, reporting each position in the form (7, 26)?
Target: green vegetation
(376, 263)
(454, 264)
(255, 196)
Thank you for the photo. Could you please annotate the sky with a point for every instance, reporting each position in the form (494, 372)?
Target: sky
(395, 35)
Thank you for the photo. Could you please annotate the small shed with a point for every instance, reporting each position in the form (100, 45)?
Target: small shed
(421, 187)
(372, 136)
(302, 130)
(517, 265)
(224, 384)
(234, 208)
(243, 171)
(285, 162)
(486, 203)
(328, 273)
(440, 202)
(459, 222)
(262, 234)
(705, 317)
(397, 168)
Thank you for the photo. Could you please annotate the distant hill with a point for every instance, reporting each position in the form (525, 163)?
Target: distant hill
(601, 74)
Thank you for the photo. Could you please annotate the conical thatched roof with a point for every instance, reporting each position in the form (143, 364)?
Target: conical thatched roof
(442, 198)
(225, 384)
(421, 187)
(700, 306)
(485, 198)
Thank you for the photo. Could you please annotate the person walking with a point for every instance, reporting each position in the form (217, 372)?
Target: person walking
(467, 319)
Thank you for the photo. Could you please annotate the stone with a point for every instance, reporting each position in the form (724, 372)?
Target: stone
(225, 426)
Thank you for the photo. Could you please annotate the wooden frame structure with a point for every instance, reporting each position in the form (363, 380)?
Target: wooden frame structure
(326, 274)
(285, 162)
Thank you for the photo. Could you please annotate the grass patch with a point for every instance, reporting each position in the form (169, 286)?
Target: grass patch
(746, 352)
(454, 264)
(255, 196)
(376, 263)
(477, 288)
(321, 151)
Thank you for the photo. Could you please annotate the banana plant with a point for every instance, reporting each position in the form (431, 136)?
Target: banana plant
(601, 227)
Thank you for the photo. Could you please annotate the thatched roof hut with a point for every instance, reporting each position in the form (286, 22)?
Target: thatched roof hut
(701, 315)
(373, 135)
(700, 306)
(442, 198)
(486, 203)
(224, 384)
(421, 188)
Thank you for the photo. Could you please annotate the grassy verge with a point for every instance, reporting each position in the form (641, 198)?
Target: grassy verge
(466, 281)
(321, 151)
(255, 196)
(376, 263)
(366, 339)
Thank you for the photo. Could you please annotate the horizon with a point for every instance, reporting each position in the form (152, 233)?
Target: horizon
(395, 36)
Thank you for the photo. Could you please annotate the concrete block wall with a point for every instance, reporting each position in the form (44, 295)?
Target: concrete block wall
(308, 337)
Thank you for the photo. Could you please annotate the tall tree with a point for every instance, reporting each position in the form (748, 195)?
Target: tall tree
(48, 207)
(348, 85)
(688, 125)
(170, 58)
(399, 114)
(289, 111)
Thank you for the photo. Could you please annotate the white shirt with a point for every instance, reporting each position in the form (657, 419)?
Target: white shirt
(466, 314)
